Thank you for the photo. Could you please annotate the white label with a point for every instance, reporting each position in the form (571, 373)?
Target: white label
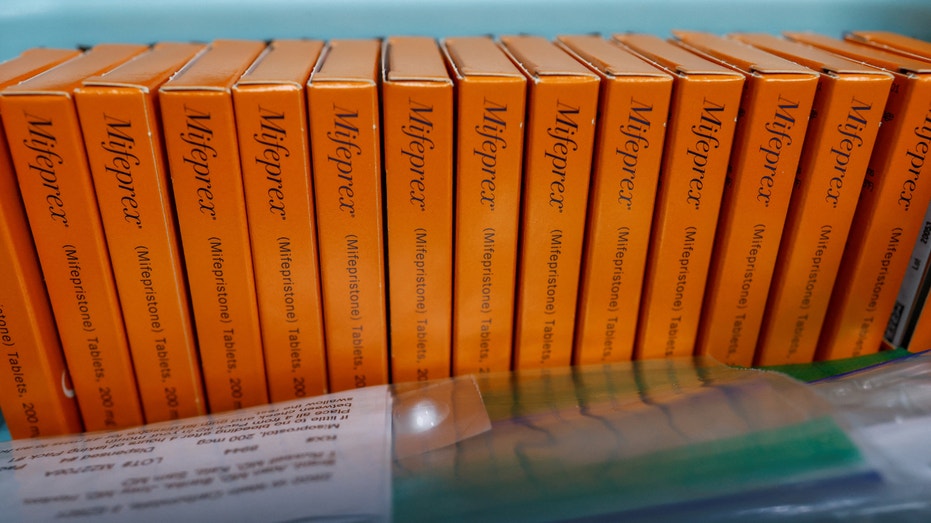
(321, 458)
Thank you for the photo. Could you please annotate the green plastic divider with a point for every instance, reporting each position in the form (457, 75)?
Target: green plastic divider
(826, 369)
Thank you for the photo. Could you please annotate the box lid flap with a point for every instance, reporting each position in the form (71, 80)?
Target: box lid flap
(67, 77)
(608, 58)
(217, 68)
(286, 62)
(150, 69)
(479, 56)
(540, 57)
(742, 56)
(349, 61)
(414, 58)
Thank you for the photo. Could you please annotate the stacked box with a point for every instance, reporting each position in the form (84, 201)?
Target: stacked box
(271, 119)
(490, 112)
(561, 110)
(418, 128)
(35, 391)
(770, 132)
(50, 159)
(203, 158)
(890, 210)
(634, 103)
(345, 129)
(847, 112)
(122, 131)
(909, 310)
(702, 121)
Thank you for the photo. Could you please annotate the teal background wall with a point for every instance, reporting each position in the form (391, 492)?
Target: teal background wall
(29, 23)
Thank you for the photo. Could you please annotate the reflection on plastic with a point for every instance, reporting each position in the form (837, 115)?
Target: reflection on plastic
(423, 415)
(888, 411)
(894, 390)
(436, 414)
(622, 442)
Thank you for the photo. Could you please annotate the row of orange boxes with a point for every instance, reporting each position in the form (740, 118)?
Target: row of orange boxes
(226, 225)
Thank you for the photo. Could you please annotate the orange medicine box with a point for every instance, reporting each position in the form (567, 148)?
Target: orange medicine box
(891, 209)
(345, 139)
(919, 338)
(122, 133)
(561, 112)
(908, 303)
(203, 158)
(908, 310)
(845, 119)
(271, 116)
(775, 109)
(705, 100)
(35, 393)
(635, 98)
(491, 98)
(418, 139)
(892, 42)
(51, 165)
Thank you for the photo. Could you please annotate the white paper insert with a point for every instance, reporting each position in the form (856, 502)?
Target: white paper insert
(322, 458)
